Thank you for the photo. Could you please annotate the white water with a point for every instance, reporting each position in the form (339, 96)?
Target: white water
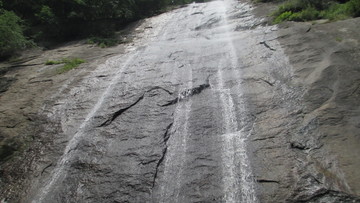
(177, 147)
(238, 184)
(60, 170)
(175, 159)
(116, 62)
(238, 180)
(237, 176)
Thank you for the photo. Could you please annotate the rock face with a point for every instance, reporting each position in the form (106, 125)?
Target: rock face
(319, 133)
(208, 104)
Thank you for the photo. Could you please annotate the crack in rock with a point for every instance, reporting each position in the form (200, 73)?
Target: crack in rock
(160, 88)
(356, 90)
(270, 83)
(46, 167)
(267, 181)
(101, 76)
(308, 30)
(267, 82)
(121, 111)
(324, 195)
(148, 162)
(267, 46)
(166, 138)
(171, 102)
(263, 138)
(176, 52)
(188, 93)
(40, 81)
(196, 13)
(298, 145)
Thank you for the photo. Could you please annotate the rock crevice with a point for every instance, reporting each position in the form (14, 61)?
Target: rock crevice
(120, 111)
(166, 138)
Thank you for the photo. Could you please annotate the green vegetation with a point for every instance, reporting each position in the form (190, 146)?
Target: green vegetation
(11, 33)
(51, 62)
(69, 64)
(53, 21)
(306, 10)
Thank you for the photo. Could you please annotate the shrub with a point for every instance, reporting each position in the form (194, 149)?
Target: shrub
(46, 15)
(11, 33)
(307, 14)
(342, 11)
(305, 10)
(353, 7)
(335, 12)
(283, 17)
(291, 5)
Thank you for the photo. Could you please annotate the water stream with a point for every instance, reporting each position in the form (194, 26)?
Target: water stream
(60, 170)
(194, 57)
(177, 149)
(239, 185)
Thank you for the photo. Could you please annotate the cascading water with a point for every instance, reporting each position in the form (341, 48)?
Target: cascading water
(61, 169)
(237, 176)
(238, 180)
(176, 151)
(203, 105)
(200, 162)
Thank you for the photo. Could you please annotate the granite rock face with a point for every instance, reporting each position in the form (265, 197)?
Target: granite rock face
(321, 138)
(208, 104)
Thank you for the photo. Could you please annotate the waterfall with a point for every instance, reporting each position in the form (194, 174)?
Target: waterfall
(238, 180)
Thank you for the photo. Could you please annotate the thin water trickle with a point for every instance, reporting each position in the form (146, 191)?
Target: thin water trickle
(237, 173)
(170, 189)
(177, 147)
(237, 176)
(60, 170)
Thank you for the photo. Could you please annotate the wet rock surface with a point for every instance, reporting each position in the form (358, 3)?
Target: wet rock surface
(325, 140)
(208, 104)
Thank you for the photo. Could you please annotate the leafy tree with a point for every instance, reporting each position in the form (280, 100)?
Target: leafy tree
(46, 15)
(11, 33)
